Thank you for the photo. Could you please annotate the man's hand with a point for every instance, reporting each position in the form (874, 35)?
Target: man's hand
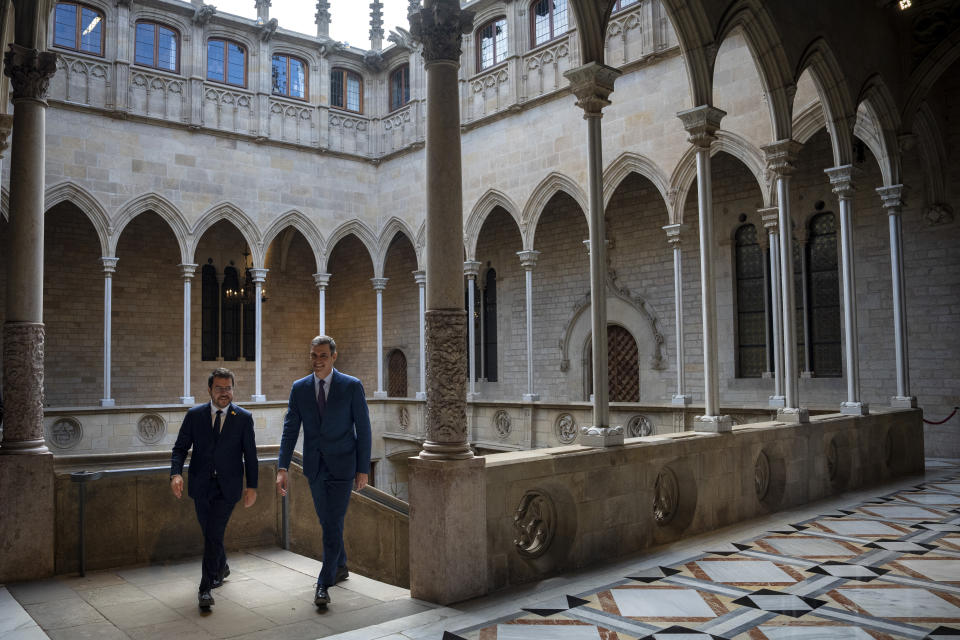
(360, 482)
(176, 485)
(282, 482)
(249, 497)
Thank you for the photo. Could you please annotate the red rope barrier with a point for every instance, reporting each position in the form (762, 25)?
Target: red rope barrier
(944, 420)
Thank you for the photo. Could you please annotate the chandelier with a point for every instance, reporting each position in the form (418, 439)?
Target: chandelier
(246, 293)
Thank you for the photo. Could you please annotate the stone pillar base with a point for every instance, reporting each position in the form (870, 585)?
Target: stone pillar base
(108, 402)
(27, 526)
(854, 408)
(777, 401)
(258, 398)
(793, 415)
(531, 397)
(187, 400)
(380, 395)
(448, 529)
(713, 424)
(681, 399)
(903, 402)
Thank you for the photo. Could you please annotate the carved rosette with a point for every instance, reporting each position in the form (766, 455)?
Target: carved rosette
(592, 84)
(151, 428)
(23, 387)
(534, 523)
(446, 363)
(440, 29)
(666, 497)
(639, 426)
(565, 428)
(29, 71)
(66, 433)
(761, 475)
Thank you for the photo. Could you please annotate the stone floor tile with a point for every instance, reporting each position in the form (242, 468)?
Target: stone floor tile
(303, 630)
(60, 614)
(370, 616)
(181, 629)
(373, 589)
(250, 593)
(40, 591)
(226, 619)
(96, 631)
(13, 617)
(30, 633)
(161, 573)
(288, 612)
(92, 580)
(139, 613)
(175, 593)
(116, 594)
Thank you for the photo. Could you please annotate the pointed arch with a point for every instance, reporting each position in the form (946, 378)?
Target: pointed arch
(481, 210)
(235, 216)
(393, 226)
(697, 45)
(769, 56)
(87, 203)
(356, 228)
(808, 122)
(933, 154)
(629, 163)
(838, 106)
(926, 74)
(878, 104)
(420, 244)
(548, 187)
(163, 208)
(301, 223)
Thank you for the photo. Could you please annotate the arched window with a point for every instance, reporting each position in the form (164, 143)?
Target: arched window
(346, 90)
(548, 20)
(623, 365)
(250, 319)
(623, 4)
(78, 27)
(230, 335)
(490, 326)
(492, 43)
(289, 77)
(157, 46)
(751, 311)
(399, 87)
(397, 374)
(824, 297)
(210, 313)
(226, 62)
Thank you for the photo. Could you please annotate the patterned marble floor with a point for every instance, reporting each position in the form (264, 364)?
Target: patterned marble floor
(887, 568)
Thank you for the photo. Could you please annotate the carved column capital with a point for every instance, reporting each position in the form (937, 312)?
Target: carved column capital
(379, 284)
(29, 71)
(471, 269)
(892, 198)
(528, 259)
(258, 275)
(440, 26)
(673, 233)
(110, 265)
(770, 217)
(420, 277)
(592, 84)
(782, 156)
(701, 124)
(321, 280)
(188, 270)
(842, 180)
(6, 126)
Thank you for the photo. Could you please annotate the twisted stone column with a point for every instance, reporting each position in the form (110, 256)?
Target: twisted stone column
(109, 268)
(188, 271)
(673, 238)
(259, 276)
(701, 123)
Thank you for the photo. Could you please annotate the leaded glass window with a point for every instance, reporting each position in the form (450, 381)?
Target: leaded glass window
(346, 90)
(492, 43)
(824, 297)
(226, 62)
(751, 312)
(78, 27)
(289, 77)
(490, 325)
(156, 46)
(548, 20)
(399, 87)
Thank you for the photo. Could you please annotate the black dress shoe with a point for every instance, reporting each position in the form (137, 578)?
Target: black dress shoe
(204, 599)
(321, 598)
(342, 574)
(218, 581)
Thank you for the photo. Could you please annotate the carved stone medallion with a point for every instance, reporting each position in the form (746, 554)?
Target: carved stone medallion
(639, 426)
(501, 422)
(565, 428)
(666, 497)
(761, 475)
(403, 418)
(151, 428)
(534, 524)
(66, 433)
(832, 460)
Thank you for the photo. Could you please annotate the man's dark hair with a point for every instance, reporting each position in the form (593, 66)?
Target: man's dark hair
(220, 372)
(324, 340)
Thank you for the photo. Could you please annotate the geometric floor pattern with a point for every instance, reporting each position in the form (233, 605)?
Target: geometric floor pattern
(887, 568)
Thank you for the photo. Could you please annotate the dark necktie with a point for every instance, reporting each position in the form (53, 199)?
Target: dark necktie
(321, 399)
(216, 425)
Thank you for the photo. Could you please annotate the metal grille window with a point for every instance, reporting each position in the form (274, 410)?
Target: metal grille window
(751, 312)
(226, 62)
(623, 365)
(289, 77)
(824, 297)
(346, 90)
(230, 331)
(156, 46)
(397, 374)
(399, 87)
(492, 43)
(548, 20)
(78, 27)
(210, 313)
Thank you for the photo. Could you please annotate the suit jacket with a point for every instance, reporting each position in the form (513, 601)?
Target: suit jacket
(221, 455)
(341, 439)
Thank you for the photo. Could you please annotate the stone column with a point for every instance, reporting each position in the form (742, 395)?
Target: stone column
(188, 270)
(528, 260)
(771, 220)
(448, 559)
(26, 465)
(592, 84)
(701, 123)
(322, 280)
(804, 239)
(420, 277)
(258, 276)
(673, 238)
(471, 269)
(842, 180)
(379, 284)
(109, 268)
(893, 202)
(781, 157)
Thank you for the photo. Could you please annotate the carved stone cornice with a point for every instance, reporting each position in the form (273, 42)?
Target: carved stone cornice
(29, 71)
(6, 126)
(782, 156)
(842, 180)
(892, 198)
(528, 259)
(471, 268)
(203, 13)
(321, 280)
(701, 124)
(673, 233)
(592, 83)
(440, 28)
(379, 284)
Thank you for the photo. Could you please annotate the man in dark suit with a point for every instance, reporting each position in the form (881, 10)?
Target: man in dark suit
(332, 408)
(220, 433)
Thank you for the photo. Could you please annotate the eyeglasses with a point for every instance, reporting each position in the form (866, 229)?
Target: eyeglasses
(223, 389)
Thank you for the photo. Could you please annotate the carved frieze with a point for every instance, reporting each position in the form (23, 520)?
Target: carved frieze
(534, 523)
(22, 382)
(446, 363)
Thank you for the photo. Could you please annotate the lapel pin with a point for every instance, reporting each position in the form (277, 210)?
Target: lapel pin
(233, 413)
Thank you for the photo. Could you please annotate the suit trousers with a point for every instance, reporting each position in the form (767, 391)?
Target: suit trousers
(331, 498)
(213, 513)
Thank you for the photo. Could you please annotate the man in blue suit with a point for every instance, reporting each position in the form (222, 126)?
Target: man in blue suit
(332, 408)
(220, 434)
